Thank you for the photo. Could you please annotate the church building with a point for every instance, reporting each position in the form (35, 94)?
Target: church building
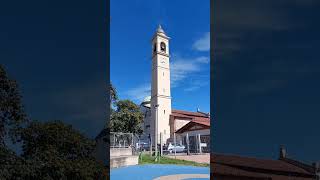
(159, 117)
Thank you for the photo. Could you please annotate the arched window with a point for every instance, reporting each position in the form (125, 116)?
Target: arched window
(163, 46)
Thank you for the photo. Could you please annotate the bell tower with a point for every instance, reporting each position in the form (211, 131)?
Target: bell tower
(160, 86)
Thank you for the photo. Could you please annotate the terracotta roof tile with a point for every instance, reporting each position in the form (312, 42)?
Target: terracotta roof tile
(256, 168)
(203, 122)
(188, 113)
(229, 171)
(191, 123)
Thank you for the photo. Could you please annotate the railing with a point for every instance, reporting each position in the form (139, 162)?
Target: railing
(180, 144)
(121, 140)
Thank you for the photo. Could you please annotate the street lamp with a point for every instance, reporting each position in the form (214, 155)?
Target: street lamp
(156, 131)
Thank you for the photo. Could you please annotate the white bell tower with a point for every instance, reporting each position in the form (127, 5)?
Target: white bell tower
(160, 87)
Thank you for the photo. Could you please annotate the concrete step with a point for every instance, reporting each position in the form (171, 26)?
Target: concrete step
(120, 152)
(122, 161)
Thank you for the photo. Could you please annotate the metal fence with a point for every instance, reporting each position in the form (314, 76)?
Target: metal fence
(121, 140)
(178, 144)
(181, 144)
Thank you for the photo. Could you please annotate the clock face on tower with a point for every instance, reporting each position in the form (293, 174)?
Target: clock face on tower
(163, 47)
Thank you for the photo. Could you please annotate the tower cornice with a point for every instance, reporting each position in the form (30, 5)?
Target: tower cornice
(163, 96)
(161, 35)
(160, 53)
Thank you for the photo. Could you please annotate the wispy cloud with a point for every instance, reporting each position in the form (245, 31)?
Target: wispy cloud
(182, 67)
(203, 43)
(203, 59)
(195, 85)
(140, 92)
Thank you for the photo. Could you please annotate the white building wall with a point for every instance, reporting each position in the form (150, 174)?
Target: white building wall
(202, 132)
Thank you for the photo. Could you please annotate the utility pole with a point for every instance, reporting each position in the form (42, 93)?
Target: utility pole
(187, 139)
(156, 132)
(161, 139)
(175, 149)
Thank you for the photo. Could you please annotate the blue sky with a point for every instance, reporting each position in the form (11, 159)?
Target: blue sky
(132, 26)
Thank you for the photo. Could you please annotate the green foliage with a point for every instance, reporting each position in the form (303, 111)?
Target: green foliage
(55, 135)
(147, 159)
(12, 116)
(126, 118)
(57, 151)
(50, 150)
(113, 94)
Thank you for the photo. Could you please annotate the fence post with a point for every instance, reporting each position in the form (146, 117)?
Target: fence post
(150, 146)
(161, 139)
(200, 150)
(187, 139)
(174, 140)
(132, 140)
(114, 139)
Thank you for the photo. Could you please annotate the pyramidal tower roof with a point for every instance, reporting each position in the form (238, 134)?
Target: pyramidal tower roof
(160, 30)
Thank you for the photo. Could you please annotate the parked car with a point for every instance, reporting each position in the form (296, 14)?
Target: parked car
(178, 148)
(143, 146)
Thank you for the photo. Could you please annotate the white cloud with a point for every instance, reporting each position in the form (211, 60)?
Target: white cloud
(192, 88)
(203, 59)
(182, 67)
(202, 44)
(195, 85)
(140, 92)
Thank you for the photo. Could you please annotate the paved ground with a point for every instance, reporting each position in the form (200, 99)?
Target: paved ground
(201, 158)
(160, 172)
(184, 177)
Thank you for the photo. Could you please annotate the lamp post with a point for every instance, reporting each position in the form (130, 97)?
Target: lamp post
(156, 132)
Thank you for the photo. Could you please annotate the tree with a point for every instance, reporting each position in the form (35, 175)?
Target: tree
(126, 118)
(12, 116)
(57, 151)
(113, 94)
(50, 150)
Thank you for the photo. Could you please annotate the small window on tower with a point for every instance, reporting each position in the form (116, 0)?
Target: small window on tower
(155, 47)
(164, 111)
(163, 74)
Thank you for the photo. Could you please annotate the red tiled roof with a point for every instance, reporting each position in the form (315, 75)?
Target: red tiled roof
(232, 165)
(181, 115)
(201, 119)
(188, 113)
(194, 117)
(205, 124)
(220, 169)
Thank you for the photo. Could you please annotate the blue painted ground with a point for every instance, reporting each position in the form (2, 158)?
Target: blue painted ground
(149, 172)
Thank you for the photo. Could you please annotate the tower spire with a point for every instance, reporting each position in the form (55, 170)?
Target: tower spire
(160, 30)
